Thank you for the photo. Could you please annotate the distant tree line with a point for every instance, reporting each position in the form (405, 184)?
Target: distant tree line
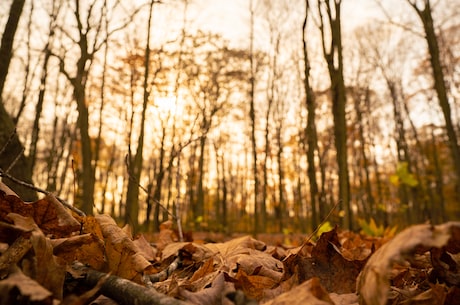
(122, 111)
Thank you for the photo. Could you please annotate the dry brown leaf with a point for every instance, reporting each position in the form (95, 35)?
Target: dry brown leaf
(91, 225)
(244, 242)
(18, 225)
(283, 287)
(48, 272)
(52, 218)
(19, 286)
(310, 292)
(344, 299)
(253, 286)
(246, 253)
(191, 251)
(254, 262)
(145, 248)
(209, 296)
(374, 281)
(327, 263)
(206, 268)
(123, 256)
(87, 249)
(167, 235)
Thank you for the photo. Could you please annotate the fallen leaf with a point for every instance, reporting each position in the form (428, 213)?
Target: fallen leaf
(244, 242)
(18, 286)
(145, 248)
(208, 296)
(87, 249)
(336, 273)
(123, 257)
(254, 262)
(374, 281)
(205, 269)
(48, 272)
(253, 286)
(52, 218)
(310, 292)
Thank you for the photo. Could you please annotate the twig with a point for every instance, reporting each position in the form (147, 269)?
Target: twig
(318, 227)
(163, 275)
(15, 160)
(179, 224)
(124, 291)
(37, 189)
(10, 138)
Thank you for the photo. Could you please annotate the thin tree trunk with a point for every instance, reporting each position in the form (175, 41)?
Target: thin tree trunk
(11, 147)
(132, 195)
(252, 117)
(334, 59)
(310, 130)
(439, 83)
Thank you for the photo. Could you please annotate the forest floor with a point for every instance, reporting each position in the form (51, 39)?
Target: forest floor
(51, 256)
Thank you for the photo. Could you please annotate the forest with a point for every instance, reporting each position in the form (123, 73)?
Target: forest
(136, 110)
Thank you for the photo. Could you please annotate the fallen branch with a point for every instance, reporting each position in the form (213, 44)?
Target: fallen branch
(163, 275)
(124, 291)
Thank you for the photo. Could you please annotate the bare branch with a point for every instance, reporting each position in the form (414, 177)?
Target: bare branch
(37, 189)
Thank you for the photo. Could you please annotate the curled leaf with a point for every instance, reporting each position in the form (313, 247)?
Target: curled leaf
(374, 281)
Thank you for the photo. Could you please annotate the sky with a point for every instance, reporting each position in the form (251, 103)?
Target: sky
(232, 17)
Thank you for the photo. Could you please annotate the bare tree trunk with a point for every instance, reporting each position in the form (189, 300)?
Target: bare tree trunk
(135, 165)
(199, 207)
(41, 93)
(426, 18)
(334, 59)
(310, 130)
(252, 118)
(27, 74)
(359, 99)
(12, 151)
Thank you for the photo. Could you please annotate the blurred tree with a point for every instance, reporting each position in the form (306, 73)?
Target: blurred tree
(310, 129)
(12, 158)
(135, 161)
(252, 119)
(424, 12)
(331, 34)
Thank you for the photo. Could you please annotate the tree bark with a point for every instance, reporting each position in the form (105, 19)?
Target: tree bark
(12, 151)
(439, 83)
(135, 165)
(123, 291)
(334, 59)
(252, 118)
(310, 130)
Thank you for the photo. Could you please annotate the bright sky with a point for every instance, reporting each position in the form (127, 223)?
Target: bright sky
(232, 17)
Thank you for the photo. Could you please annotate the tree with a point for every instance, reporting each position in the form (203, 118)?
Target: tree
(88, 41)
(135, 162)
(42, 90)
(12, 158)
(212, 72)
(424, 12)
(334, 58)
(310, 129)
(252, 118)
(78, 82)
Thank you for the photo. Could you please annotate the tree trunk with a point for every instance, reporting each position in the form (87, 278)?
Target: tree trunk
(439, 83)
(199, 207)
(12, 151)
(132, 195)
(252, 118)
(310, 130)
(334, 59)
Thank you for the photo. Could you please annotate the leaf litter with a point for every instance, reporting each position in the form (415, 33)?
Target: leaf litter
(51, 256)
